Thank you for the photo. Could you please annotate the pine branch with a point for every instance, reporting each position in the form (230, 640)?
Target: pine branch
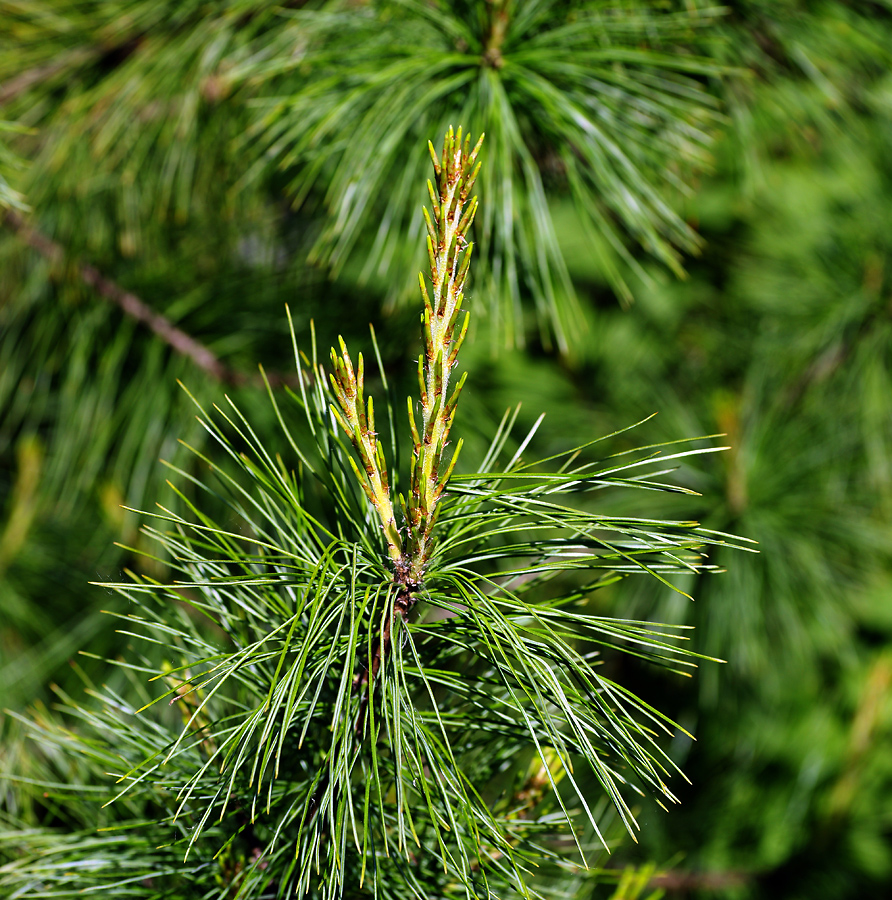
(36, 75)
(324, 731)
(448, 271)
(137, 309)
(686, 882)
(589, 102)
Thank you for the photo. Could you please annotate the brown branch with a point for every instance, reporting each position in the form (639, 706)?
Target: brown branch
(683, 882)
(498, 25)
(27, 79)
(132, 306)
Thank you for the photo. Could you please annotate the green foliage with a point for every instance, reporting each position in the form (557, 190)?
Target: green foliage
(781, 340)
(604, 103)
(143, 121)
(9, 166)
(144, 128)
(352, 699)
(599, 101)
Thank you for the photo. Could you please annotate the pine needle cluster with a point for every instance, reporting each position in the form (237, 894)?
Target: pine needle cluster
(331, 695)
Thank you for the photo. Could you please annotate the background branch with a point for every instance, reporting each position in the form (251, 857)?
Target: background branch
(132, 306)
(683, 882)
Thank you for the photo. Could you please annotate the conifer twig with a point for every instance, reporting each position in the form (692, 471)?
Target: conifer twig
(137, 309)
(358, 420)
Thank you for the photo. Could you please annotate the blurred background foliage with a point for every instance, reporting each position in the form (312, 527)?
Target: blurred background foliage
(684, 210)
